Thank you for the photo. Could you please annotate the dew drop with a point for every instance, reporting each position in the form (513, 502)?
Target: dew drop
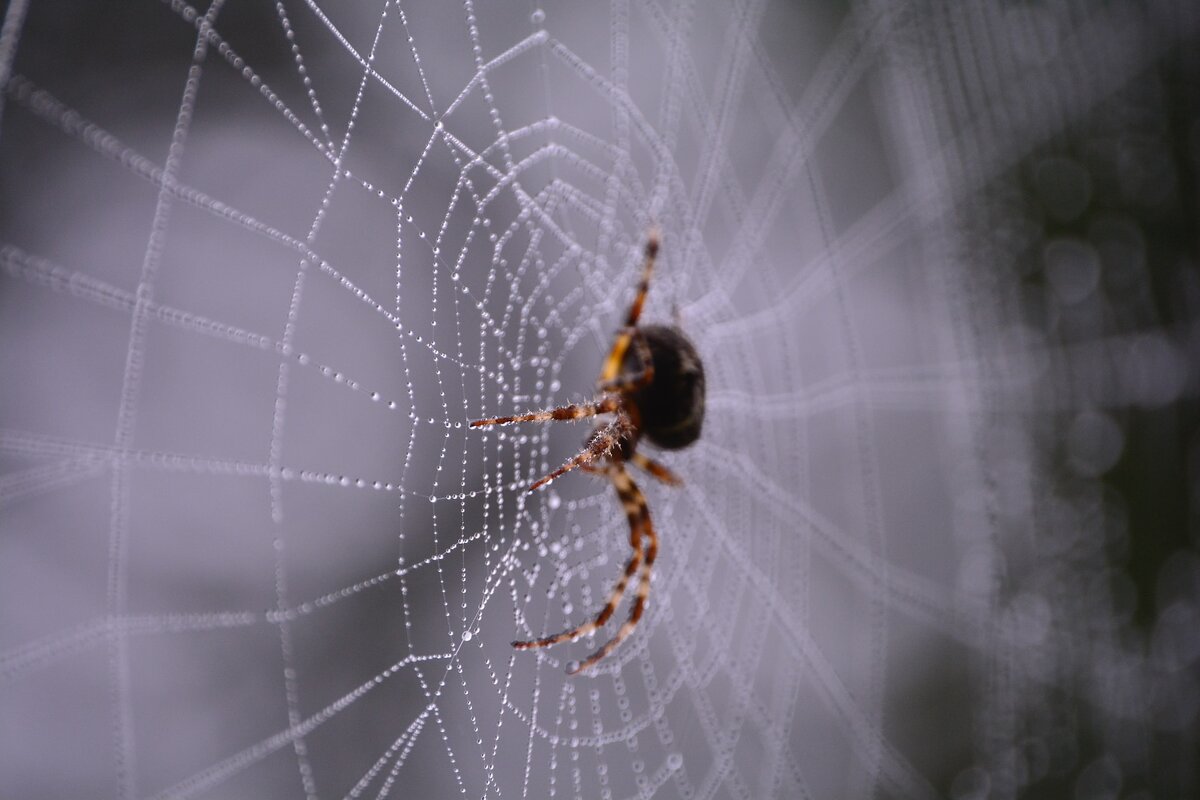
(1064, 187)
(1072, 269)
(1094, 443)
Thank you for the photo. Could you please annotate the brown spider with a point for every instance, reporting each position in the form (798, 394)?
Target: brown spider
(653, 385)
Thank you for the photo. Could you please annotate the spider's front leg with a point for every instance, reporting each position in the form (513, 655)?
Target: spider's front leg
(635, 309)
(604, 405)
(612, 364)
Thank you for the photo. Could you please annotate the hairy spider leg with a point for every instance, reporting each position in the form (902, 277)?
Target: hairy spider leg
(657, 470)
(604, 405)
(635, 506)
(612, 364)
(631, 567)
(600, 443)
(635, 309)
(644, 376)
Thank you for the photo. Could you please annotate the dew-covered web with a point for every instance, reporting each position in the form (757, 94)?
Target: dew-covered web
(261, 263)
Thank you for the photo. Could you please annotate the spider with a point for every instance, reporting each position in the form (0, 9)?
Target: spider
(652, 384)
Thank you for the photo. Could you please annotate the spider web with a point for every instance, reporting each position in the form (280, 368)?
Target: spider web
(261, 263)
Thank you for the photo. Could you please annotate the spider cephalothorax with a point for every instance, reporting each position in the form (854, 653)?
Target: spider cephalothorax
(652, 384)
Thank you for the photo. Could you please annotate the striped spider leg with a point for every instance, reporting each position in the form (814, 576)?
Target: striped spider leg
(576, 411)
(638, 515)
(637, 511)
(640, 524)
(616, 356)
(599, 444)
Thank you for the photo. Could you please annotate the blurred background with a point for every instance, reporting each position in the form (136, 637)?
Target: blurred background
(260, 264)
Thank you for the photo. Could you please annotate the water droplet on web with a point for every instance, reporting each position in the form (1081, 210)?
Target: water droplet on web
(554, 501)
(674, 761)
(1072, 269)
(1094, 443)
(466, 636)
(537, 17)
(972, 782)
(1100, 779)
(1122, 249)
(1064, 187)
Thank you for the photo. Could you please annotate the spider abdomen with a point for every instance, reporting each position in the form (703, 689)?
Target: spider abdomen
(671, 406)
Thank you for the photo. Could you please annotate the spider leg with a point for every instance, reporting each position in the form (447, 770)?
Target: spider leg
(643, 376)
(657, 470)
(635, 309)
(635, 560)
(635, 506)
(604, 405)
(600, 443)
(612, 364)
